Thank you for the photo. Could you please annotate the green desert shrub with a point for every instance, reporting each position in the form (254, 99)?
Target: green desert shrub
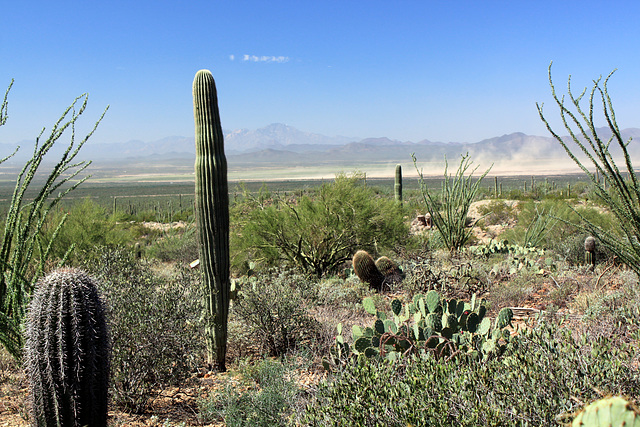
(268, 401)
(316, 234)
(273, 308)
(155, 329)
(180, 245)
(543, 374)
(497, 212)
(87, 225)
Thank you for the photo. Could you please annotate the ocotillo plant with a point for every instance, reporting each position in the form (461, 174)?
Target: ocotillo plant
(398, 184)
(212, 213)
(67, 352)
(23, 255)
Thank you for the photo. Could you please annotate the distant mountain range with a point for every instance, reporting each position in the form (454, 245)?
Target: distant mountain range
(281, 146)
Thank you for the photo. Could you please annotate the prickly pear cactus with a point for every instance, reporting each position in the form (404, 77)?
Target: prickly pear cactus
(429, 325)
(67, 352)
(608, 412)
(365, 268)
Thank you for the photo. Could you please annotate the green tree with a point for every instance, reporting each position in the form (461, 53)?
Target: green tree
(23, 252)
(619, 190)
(317, 234)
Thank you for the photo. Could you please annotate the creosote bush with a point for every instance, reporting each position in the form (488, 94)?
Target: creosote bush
(537, 379)
(273, 308)
(155, 328)
(272, 403)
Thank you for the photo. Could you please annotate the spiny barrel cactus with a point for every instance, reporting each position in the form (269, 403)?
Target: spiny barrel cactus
(398, 184)
(389, 270)
(365, 268)
(67, 351)
(608, 412)
(212, 213)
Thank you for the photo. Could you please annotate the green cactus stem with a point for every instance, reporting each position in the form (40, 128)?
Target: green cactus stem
(365, 268)
(398, 184)
(67, 352)
(212, 213)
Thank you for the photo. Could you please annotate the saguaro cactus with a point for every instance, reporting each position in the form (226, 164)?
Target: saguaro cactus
(212, 213)
(67, 352)
(590, 251)
(398, 184)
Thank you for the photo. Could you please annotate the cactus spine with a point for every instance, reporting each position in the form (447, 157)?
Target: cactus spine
(212, 213)
(398, 184)
(67, 352)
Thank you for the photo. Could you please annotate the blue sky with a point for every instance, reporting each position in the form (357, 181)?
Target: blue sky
(409, 70)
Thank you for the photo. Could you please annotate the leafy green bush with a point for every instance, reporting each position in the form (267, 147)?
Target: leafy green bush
(273, 309)
(541, 373)
(154, 324)
(318, 233)
(87, 225)
(497, 212)
(175, 245)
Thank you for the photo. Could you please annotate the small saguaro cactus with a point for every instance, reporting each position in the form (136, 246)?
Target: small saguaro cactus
(212, 214)
(590, 251)
(398, 184)
(365, 268)
(67, 352)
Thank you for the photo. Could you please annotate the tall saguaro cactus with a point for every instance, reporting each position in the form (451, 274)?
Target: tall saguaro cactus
(212, 213)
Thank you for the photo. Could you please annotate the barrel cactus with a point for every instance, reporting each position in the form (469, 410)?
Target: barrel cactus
(365, 268)
(212, 214)
(608, 412)
(67, 351)
(389, 270)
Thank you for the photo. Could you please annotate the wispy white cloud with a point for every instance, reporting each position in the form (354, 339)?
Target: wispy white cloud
(232, 57)
(254, 58)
